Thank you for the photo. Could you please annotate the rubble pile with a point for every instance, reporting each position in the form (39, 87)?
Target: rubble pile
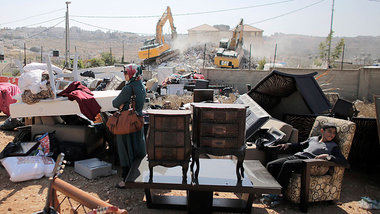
(191, 58)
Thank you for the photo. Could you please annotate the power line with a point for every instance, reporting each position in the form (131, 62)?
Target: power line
(185, 14)
(19, 20)
(44, 30)
(44, 21)
(284, 14)
(104, 28)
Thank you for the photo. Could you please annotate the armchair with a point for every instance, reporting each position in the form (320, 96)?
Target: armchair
(321, 180)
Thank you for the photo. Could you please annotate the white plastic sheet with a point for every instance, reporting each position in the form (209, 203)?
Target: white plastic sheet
(28, 167)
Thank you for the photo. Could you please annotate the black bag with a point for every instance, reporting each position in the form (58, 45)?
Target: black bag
(268, 138)
(9, 149)
(22, 136)
(73, 151)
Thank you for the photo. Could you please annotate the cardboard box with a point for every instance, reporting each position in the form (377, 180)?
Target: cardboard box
(92, 168)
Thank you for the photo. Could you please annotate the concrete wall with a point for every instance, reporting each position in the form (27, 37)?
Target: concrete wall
(238, 78)
(351, 85)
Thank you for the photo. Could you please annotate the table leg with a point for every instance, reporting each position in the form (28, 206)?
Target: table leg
(249, 201)
(148, 197)
(199, 201)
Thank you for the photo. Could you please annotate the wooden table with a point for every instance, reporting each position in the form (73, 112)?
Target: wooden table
(216, 175)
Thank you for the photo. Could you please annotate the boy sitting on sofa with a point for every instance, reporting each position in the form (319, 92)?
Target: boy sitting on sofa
(318, 147)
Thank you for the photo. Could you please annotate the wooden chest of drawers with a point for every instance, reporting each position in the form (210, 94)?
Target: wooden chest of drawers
(168, 138)
(219, 125)
(219, 129)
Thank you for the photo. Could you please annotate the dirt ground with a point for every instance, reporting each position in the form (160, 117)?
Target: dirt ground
(30, 196)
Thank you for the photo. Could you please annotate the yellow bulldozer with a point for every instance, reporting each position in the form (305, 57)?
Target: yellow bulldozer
(230, 51)
(156, 49)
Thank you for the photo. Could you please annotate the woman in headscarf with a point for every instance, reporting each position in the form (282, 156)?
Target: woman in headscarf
(130, 146)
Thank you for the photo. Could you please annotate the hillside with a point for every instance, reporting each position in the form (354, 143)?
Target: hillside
(295, 50)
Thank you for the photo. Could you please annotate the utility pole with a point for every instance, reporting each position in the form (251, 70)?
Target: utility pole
(24, 54)
(122, 58)
(331, 26)
(341, 66)
(67, 42)
(250, 50)
(275, 54)
(204, 56)
(41, 54)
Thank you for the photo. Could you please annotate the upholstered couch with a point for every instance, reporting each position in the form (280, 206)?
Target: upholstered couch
(321, 180)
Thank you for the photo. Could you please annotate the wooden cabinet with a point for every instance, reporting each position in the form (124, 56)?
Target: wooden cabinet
(223, 124)
(219, 129)
(168, 139)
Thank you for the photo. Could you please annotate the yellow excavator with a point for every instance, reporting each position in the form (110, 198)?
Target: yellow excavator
(157, 49)
(230, 51)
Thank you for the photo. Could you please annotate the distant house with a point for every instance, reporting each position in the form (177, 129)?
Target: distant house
(252, 34)
(204, 31)
(217, 32)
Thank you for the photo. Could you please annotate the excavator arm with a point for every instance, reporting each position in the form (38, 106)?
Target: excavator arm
(157, 49)
(160, 24)
(235, 40)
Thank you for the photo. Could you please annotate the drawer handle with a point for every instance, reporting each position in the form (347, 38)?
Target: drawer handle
(219, 143)
(220, 130)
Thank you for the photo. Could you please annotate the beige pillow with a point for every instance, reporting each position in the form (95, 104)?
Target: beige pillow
(284, 127)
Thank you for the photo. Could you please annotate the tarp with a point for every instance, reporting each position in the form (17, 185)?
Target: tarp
(282, 93)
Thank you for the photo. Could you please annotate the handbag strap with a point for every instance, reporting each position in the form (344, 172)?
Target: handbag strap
(132, 103)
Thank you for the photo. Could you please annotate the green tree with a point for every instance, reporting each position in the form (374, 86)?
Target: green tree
(108, 58)
(95, 62)
(334, 54)
(81, 64)
(262, 62)
(35, 49)
(337, 52)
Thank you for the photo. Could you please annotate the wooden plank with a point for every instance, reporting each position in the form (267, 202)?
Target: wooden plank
(61, 106)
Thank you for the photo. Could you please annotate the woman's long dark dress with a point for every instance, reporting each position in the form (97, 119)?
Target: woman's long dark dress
(131, 146)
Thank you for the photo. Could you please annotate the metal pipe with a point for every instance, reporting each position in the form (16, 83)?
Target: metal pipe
(78, 195)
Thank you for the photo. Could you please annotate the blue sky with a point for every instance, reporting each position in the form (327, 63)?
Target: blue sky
(307, 17)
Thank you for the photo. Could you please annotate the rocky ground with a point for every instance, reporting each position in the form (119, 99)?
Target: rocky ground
(30, 196)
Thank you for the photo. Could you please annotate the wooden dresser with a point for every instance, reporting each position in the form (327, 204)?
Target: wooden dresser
(168, 139)
(219, 129)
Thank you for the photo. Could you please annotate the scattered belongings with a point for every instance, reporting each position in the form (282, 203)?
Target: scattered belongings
(369, 204)
(93, 168)
(87, 73)
(8, 90)
(282, 93)
(28, 167)
(11, 123)
(203, 95)
(344, 109)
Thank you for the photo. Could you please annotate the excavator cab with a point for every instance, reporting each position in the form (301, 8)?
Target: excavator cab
(224, 43)
(151, 43)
